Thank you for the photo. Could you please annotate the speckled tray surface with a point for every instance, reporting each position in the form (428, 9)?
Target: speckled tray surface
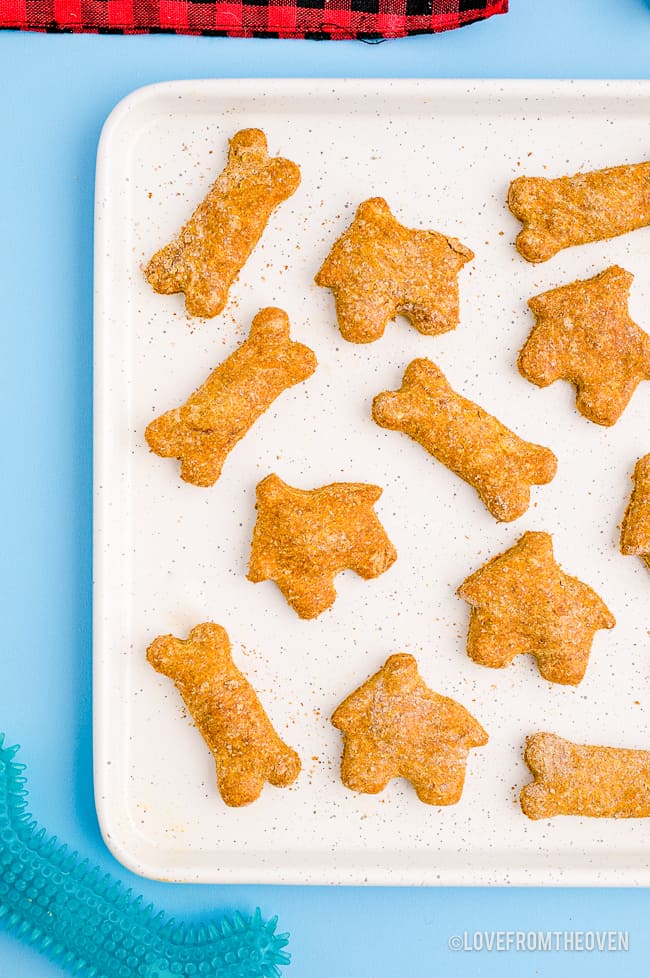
(169, 555)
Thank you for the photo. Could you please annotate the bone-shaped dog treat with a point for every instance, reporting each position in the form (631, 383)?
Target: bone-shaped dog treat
(394, 726)
(304, 538)
(577, 210)
(635, 530)
(225, 708)
(235, 395)
(472, 443)
(379, 268)
(522, 601)
(580, 779)
(583, 333)
(211, 249)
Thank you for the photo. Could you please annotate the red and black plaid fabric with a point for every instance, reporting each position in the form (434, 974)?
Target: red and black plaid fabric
(316, 19)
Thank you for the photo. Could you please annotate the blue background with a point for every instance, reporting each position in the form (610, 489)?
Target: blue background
(55, 93)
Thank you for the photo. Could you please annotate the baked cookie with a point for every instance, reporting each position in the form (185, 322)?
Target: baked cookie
(225, 708)
(583, 333)
(469, 441)
(394, 726)
(211, 249)
(576, 210)
(579, 779)
(635, 530)
(304, 538)
(203, 431)
(523, 602)
(379, 268)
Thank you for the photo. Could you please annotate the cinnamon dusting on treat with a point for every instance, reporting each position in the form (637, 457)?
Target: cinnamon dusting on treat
(211, 249)
(580, 779)
(469, 441)
(577, 210)
(304, 538)
(584, 334)
(394, 726)
(379, 268)
(635, 530)
(523, 602)
(203, 431)
(225, 708)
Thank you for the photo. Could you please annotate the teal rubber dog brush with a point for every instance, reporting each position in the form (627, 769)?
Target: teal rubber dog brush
(88, 924)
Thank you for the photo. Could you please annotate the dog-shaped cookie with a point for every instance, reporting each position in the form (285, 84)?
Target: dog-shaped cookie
(469, 441)
(225, 708)
(210, 250)
(394, 726)
(304, 538)
(584, 334)
(379, 268)
(203, 431)
(523, 602)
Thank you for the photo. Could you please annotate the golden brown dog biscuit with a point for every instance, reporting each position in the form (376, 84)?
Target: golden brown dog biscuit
(304, 538)
(235, 395)
(635, 531)
(394, 726)
(225, 708)
(523, 602)
(469, 441)
(583, 333)
(579, 779)
(576, 210)
(211, 249)
(379, 268)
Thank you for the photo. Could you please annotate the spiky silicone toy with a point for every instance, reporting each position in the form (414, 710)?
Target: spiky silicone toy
(87, 923)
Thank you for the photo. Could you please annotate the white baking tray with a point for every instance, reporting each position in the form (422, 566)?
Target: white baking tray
(168, 555)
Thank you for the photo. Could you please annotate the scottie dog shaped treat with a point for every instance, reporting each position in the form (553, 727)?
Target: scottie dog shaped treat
(523, 602)
(580, 779)
(379, 268)
(211, 249)
(394, 726)
(225, 708)
(203, 431)
(584, 334)
(577, 210)
(304, 538)
(472, 443)
(635, 530)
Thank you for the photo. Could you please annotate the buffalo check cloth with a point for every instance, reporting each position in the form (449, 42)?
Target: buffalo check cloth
(316, 19)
